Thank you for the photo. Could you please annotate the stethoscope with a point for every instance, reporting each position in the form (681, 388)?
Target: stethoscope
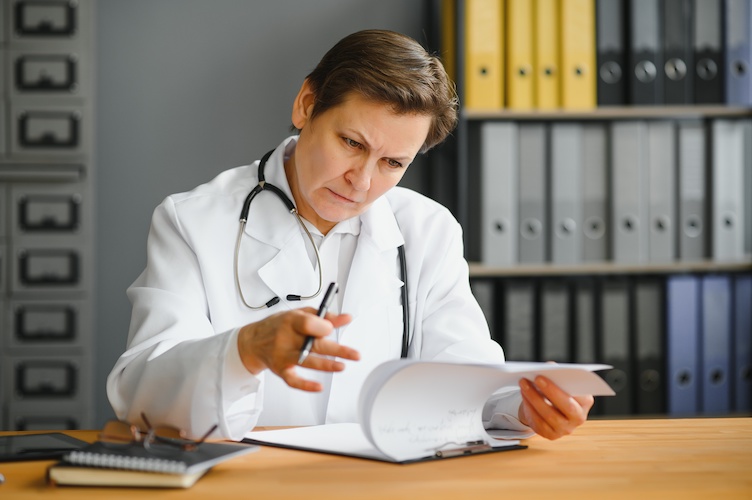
(264, 186)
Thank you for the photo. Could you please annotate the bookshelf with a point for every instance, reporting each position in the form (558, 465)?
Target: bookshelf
(656, 322)
(612, 113)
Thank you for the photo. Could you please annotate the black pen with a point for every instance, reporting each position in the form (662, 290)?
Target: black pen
(325, 303)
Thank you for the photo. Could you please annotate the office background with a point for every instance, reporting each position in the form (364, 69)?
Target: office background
(186, 89)
(172, 92)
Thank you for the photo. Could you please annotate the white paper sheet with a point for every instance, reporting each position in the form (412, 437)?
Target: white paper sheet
(411, 409)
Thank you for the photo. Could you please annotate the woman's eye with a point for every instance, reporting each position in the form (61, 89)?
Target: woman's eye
(351, 143)
(394, 163)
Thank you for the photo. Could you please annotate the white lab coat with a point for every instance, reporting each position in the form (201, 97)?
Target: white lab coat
(182, 364)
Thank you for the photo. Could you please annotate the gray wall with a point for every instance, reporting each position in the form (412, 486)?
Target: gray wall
(186, 89)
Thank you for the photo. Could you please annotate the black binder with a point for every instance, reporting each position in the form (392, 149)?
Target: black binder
(645, 58)
(611, 52)
(677, 51)
(650, 385)
(708, 52)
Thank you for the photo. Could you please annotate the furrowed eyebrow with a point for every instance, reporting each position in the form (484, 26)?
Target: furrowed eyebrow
(357, 136)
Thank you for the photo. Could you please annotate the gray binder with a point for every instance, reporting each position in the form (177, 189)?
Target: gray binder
(662, 188)
(615, 343)
(646, 82)
(629, 191)
(727, 205)
(677, 52)
(499, 161)
(566, 197)
(692, 191)
(519, 321)
(650, 339)
(483, 290)
(595, 220)
(555, 322)
(533, 240)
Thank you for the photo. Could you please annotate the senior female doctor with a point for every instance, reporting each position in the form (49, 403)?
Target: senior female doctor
(222, 309)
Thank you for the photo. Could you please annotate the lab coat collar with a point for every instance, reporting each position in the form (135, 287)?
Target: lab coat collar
(378, 222)
(372, 274)
(268, 218)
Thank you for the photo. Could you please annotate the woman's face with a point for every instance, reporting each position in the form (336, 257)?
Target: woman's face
(348, 156)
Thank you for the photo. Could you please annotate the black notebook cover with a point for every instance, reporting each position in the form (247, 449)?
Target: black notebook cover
(171, 461)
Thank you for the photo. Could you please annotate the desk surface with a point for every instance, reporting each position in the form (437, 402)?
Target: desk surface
(685, 458)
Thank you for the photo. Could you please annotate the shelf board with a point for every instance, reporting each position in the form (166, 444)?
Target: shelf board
(478, 270)
(610, 113)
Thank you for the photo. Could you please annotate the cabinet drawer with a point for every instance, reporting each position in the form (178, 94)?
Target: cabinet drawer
(41, 324)
(48, 21)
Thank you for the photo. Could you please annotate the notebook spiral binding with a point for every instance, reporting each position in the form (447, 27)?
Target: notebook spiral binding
(152, 464)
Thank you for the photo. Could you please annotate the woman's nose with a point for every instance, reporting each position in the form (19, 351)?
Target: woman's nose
(360, 176)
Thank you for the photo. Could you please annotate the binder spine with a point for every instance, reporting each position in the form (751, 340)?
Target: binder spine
(708, 87)
(677, 44)
(611, 53)
(645, 53)
(738, 29)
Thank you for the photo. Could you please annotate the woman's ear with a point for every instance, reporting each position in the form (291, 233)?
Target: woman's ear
(303, 106)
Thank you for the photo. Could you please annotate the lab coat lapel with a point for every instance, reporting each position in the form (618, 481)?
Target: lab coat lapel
(372, 297)
(270, 224)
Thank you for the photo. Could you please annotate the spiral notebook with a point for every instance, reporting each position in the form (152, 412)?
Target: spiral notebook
(101, 465)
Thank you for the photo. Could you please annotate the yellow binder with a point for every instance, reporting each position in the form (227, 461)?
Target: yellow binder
(578, 77)
(546, 62)
(520, 54)
(484, 54)
(449, 37)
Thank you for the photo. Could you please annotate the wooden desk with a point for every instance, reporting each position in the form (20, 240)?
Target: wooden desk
(688, 458)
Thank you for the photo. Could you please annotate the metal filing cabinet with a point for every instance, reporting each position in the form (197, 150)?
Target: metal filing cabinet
(46, 212)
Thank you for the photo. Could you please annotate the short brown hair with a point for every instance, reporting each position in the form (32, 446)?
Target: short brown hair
(390, 68)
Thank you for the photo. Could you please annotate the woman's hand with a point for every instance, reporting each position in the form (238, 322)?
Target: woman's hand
(549, 411)
(275, 342)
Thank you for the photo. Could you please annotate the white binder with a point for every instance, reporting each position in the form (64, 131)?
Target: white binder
(727, 205)
(499, 161)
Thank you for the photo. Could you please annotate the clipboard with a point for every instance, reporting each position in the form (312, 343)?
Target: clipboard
(348, 440)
